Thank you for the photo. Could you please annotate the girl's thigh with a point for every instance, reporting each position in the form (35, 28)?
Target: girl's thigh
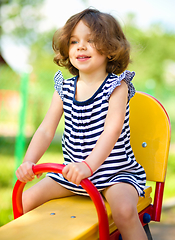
(43, 191)
(122, 198)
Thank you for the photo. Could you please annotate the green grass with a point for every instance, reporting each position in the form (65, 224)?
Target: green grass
(53, 154)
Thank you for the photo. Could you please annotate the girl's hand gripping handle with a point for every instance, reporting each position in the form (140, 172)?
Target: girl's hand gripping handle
(85, 183)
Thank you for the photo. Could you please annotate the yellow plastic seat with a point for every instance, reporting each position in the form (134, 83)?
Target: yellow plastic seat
(150, 135)
(67, 218)
(75, 217)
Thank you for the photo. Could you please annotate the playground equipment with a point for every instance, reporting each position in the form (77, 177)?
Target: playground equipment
(75, 217)
(20, 140)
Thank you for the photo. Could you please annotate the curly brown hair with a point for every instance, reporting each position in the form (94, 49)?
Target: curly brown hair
(107, 35)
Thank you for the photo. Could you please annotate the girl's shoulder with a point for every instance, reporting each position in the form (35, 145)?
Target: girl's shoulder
(127, 76)
(60, 83)
(59, 80)
(114, 81)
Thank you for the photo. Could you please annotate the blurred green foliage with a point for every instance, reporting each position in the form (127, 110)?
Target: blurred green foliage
(20, 19)
(9, 79)
(153, 60)
(152, 54)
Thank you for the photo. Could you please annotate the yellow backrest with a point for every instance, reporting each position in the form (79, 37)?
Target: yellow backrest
(150, 135)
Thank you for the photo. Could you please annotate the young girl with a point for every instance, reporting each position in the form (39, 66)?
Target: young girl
(96, 139)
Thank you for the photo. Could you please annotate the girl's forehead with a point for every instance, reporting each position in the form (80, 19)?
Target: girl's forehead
(81, 28)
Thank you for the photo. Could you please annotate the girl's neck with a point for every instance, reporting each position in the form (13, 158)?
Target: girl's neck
(91, 78)
(87, 85)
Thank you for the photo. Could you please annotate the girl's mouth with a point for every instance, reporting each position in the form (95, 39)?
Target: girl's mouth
(83, 57)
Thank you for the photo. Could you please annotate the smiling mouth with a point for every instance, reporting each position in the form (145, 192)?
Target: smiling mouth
(83, 57)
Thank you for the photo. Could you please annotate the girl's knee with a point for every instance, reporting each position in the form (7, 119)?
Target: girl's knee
(31, 199)
(125, 213)
(26, 202)
(123, 200)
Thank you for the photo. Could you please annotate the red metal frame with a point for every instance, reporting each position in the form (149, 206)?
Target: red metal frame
(85, 183)
(158, 199)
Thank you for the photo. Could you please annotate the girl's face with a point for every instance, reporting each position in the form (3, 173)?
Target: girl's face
(82, 52)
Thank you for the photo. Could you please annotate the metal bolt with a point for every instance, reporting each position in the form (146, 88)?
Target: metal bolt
(52, 213)
(144, 144)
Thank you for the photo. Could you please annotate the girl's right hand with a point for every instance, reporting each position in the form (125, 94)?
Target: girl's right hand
(25, 173)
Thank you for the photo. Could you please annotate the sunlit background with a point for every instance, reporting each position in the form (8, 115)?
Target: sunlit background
(27, 70)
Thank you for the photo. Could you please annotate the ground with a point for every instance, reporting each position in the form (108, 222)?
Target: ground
(165, 230)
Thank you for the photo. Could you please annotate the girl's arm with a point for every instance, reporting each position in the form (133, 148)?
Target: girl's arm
(41, 139)
(75, 172)
(112, 129)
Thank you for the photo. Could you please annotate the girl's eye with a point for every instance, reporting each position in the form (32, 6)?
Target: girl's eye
(90, 41)
(73, 42)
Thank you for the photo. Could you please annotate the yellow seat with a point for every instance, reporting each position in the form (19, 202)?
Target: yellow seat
(75, 217)
(150, 135)
(67, 218)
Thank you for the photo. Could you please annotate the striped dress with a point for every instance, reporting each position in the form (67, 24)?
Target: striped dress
(84, 123)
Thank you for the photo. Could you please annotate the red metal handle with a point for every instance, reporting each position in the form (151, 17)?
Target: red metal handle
(85, 183)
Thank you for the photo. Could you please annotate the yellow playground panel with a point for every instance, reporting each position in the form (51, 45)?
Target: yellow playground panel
(77, 217)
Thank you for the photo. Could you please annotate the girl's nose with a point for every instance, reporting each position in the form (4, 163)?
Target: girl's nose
(82, 46)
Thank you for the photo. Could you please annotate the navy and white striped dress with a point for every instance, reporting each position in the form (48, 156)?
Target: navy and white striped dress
(84, 123)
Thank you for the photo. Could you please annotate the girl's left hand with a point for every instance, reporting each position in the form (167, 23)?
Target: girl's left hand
(75, 172)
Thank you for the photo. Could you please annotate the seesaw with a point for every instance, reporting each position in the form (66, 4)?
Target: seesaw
(80, 217)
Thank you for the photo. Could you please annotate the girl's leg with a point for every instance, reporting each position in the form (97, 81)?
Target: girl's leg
(42, 192)
(123, 198)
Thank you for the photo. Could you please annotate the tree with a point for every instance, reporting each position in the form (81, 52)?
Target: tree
(20, 20)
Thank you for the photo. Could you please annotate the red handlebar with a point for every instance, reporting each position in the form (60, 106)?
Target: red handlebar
(85, 183)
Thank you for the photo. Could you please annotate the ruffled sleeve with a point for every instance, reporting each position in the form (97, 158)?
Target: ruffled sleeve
(58, 79)
(126, 76)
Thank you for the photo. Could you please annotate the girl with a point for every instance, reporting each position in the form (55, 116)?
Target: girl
(96, 139)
